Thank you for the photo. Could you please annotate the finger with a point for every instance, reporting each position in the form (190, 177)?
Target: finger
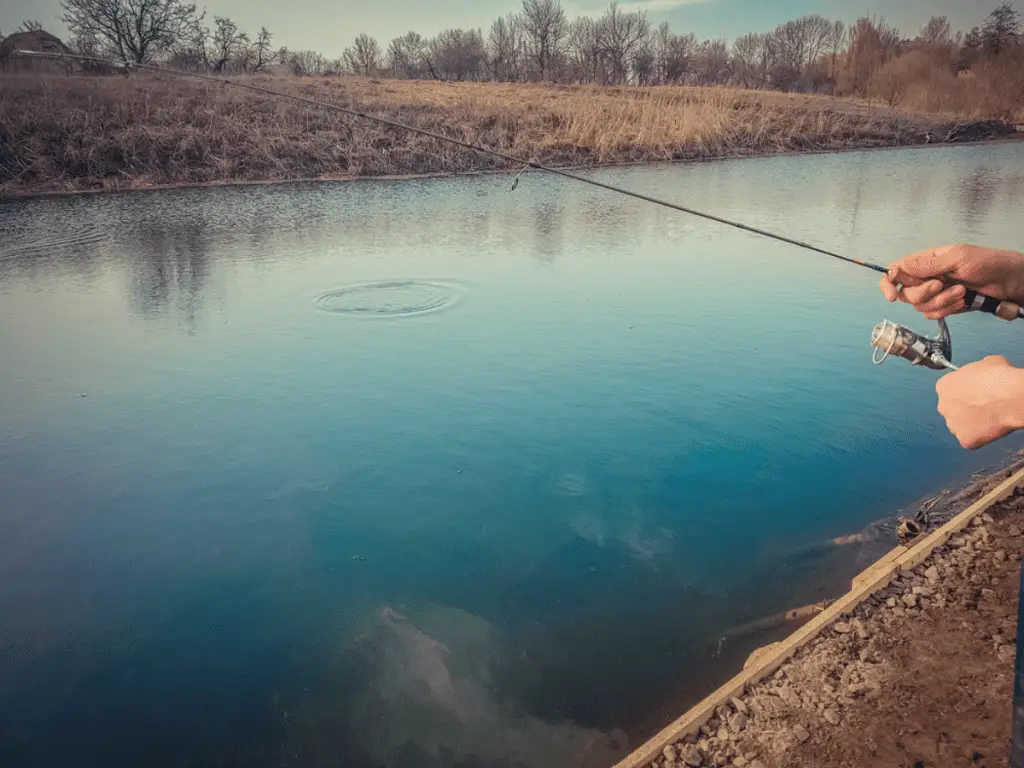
(948, 299)
(920, 295)
(889, 289)
(897, 274)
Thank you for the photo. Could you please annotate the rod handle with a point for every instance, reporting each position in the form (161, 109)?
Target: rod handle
(979, 302)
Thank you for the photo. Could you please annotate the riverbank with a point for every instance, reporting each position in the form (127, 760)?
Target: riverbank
(916, 670)
(72, 134)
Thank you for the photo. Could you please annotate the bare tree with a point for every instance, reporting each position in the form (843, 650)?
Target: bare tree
(836, 41)
(505, 48)
(30, 26)
(872, 44)
(673, 54)
(936, 31)
(545, 26)
(407, 56)
(583, 49)
(132, 30)
(712, 63)
(456, 54)
(363, 57)
(796, 45)
(228, 41)
(751, 60)
(262, 54)
(619, 35)
(307, 63)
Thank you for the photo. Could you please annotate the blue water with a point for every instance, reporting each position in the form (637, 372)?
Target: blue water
(241, 527)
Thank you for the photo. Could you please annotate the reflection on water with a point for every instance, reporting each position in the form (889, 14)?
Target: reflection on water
(238, 530)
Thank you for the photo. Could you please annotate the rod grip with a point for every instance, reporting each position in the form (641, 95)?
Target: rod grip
(979, 302)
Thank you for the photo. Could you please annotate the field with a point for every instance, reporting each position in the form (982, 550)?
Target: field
(61, 133)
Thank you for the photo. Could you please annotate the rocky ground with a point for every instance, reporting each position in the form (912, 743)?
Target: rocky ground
(920, 675)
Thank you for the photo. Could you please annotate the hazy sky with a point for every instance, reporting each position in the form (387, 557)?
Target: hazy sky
(330, 25)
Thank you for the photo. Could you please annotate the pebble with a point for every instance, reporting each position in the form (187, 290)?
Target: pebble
(924, 591)
(756, 764)
(910, 601)
(738, 722)
(987, 593)
(1007, 652)
(842, 628)
(891, 602)
(692, 757)
(862, 631)
(801, 733)
(670, 753)
(832, 717)
(932, 574)
(739, 706)
(740, 762)
(1000, 556)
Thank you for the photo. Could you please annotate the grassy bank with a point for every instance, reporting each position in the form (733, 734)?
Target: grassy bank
(78, 133)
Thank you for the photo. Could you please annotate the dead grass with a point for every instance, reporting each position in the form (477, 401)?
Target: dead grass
(72, 133)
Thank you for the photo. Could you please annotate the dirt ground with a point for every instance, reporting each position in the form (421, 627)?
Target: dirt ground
(919, 676)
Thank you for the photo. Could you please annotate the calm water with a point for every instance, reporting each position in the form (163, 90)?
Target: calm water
(254, 512)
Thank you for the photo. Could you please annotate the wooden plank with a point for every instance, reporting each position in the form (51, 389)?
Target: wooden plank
(874, 578)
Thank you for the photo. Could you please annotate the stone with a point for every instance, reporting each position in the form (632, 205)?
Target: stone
(988, 594)
(740, 762)
(924, 591)
(932, 574)
(670, 753)
(723, 734)
(910, 601)
(998, 640)
(1006, 653)
(1013, 530)
(691, 756)
(842, 628)
(739, 706)
(829, 690)
(1000, 556)
(988, 518)
(891, 602)
(832, 717)
(738, 722)
(862, 631)
(801, 733)
(789, 697)
(756, 764)
(858, 689)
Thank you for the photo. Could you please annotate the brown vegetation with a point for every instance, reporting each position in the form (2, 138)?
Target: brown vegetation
(65, 133)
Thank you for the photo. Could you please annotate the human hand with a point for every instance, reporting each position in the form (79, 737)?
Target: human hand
(936, 280)
(983, 401)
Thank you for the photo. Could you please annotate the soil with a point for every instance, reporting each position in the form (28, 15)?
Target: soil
(918, 676)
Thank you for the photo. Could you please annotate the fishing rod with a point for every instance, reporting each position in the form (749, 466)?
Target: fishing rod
(887, 337)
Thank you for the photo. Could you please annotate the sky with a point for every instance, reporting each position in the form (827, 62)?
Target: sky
(329, 26)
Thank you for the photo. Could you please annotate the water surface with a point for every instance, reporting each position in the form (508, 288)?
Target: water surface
(433, 473)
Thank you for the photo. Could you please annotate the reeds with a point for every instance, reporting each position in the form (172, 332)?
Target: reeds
(69, 133)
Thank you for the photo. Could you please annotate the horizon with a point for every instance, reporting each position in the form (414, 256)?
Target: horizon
(707, 19)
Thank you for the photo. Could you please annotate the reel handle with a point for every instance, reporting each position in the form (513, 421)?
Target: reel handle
(979, 302)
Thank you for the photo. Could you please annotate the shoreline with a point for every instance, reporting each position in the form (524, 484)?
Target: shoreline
(780, 664)
(31, 194)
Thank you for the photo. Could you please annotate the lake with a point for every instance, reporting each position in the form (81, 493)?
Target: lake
(434, 473)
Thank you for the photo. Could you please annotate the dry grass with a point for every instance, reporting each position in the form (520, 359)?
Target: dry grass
(68, 133)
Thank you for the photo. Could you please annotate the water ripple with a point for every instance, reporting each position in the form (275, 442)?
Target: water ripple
(394, 298)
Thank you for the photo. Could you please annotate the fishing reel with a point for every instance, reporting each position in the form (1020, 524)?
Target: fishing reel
(894, 339)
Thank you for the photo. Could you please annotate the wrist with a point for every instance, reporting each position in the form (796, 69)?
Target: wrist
(1013, 412)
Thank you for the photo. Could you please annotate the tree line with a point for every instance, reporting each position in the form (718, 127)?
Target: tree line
(540, 43)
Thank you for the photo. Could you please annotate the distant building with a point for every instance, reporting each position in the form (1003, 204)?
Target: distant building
(36, 40)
